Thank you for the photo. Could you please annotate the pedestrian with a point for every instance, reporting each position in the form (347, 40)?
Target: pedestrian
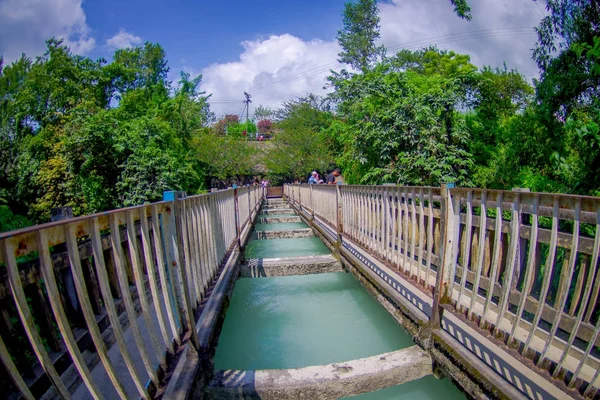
(314, 178)
(331, 178)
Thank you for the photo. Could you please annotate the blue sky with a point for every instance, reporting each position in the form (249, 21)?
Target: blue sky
(276, 50)
(200, 33)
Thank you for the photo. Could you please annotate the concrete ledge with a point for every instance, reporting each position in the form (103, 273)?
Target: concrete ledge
(277, 210)
(208, 320)
(483, 376)
(188, 371)
(276, 205)
(183, 376)
(331, 381)
(287, 234)
(276, 220)
(265, 267)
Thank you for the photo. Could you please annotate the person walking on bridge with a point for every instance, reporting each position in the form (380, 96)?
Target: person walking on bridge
(314, 178)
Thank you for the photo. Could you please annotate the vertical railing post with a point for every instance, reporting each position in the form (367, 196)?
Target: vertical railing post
(447, 222)
(250, 194)
(66, 275)
(338, 214)
(312, 204)
(175, 254)
(238, 234)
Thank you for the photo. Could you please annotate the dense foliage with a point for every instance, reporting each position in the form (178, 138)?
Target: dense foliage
(264, 126)
(359, 34)
(94, 135)
(298, 148)
(430, 116)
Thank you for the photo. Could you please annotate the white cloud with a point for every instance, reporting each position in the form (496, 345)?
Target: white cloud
(25, 25)
(283, 67)
(500, 31)
(123, 39)
(272, 70)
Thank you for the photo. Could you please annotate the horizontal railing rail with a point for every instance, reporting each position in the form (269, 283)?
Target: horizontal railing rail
(145, 269)
(522, 265)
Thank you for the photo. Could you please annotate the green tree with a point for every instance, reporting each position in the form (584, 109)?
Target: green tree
(462, 9)
(221, 126)
(225, 158)
(262, 112)
(359, 35)
(299, 147)
(94, 136)
(498, 94)
(403, 127)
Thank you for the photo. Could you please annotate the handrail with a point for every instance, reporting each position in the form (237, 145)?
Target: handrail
(96, 271)
(528, 271)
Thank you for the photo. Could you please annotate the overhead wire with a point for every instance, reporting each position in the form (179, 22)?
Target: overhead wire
(440, 39)
(274, 85)
(538, 7)
(477, 34)
(413, 43)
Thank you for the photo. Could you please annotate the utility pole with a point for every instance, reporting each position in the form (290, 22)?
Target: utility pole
(247, 101)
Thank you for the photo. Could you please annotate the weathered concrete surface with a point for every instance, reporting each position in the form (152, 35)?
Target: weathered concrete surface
(277, 211)
(287, 234)
(274, 200)
(191, 373)
(275, 204)
(265, 267)
(185, 372)
(276, 220)
(207, 323)
(331, 381)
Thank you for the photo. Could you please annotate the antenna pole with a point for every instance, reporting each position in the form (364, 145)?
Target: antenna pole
(247, 101)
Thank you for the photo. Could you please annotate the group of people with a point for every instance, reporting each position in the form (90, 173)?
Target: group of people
(334, 178)
(264, 183)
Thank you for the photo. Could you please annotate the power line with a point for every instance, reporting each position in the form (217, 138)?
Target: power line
(415, 44)
(407, 45)
(477, 34)
(539, 9)
(440, 39)
(419, 43)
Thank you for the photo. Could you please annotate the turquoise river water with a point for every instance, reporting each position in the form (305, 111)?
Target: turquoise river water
(275, 248)
(298, 321)
(283, 226)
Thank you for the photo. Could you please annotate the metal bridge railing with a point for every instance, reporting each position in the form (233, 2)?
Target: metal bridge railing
(522, 265)
(63, 284)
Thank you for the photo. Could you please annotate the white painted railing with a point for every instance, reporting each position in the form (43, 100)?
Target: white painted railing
(73, 279)
(530, 276)
(399, 224)
(319, 200)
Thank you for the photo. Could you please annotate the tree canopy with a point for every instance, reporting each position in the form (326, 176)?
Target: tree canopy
(358, 36)
(96, 135)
